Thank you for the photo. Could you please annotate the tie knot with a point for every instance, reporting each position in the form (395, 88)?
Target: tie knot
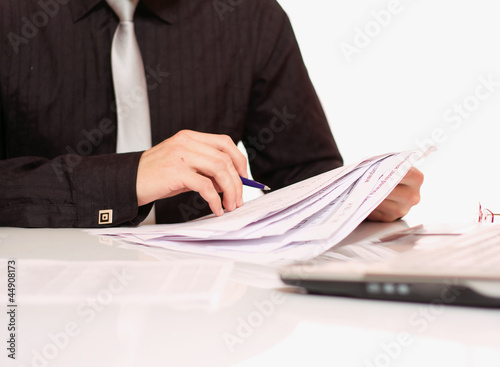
(124, 9)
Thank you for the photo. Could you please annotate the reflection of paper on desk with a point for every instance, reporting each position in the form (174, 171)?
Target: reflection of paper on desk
(183, 283)
(297, 222)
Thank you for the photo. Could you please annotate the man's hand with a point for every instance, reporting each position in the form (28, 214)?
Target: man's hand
(193, 161)
(399, 202)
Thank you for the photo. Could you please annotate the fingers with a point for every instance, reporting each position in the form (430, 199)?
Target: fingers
(216, 166)
(405, 195)
(205, 187)
(389, 211)
(225, 144)
(399, 202)
(414, 178)
(379, 216)
(213, 156)
(205, 163)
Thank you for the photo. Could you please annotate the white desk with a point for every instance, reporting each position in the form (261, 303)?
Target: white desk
(300, 330)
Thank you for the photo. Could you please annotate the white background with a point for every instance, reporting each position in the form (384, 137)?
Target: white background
(396, 90)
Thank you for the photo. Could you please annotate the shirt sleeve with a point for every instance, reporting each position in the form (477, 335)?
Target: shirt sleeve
(70, 191)
(287, 136)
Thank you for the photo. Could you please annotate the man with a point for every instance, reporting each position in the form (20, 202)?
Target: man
(217, 72)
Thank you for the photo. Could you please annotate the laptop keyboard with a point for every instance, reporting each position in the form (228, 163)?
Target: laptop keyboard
(474, 254)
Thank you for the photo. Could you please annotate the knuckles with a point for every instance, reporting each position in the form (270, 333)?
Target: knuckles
(222, 164)
(226, 140)
(228, 143)
(226, 160)
(417, 176)
(400, 212)
(415, 199)
(183, 134)
(182, 137)
(206, 187)
(177, 150)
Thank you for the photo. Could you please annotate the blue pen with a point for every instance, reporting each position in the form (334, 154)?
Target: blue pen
(257, 185)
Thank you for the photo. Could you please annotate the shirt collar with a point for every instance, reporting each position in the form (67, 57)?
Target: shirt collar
(79, 8)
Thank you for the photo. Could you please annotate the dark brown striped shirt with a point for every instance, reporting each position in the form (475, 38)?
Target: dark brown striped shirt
(225, 66)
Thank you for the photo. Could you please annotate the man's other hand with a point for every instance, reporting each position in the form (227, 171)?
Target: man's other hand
(399, 202)
(193, 161)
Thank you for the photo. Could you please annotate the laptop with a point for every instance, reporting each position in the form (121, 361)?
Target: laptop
(418, 264)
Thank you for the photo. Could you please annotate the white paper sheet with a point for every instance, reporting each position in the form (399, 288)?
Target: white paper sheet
(295, 223)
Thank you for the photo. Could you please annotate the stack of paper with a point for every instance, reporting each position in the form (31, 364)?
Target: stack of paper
(298, 222)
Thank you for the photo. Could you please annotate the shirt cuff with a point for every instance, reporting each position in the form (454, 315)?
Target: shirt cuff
(106, 192)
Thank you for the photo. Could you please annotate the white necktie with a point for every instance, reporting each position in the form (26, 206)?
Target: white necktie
(129, 80)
